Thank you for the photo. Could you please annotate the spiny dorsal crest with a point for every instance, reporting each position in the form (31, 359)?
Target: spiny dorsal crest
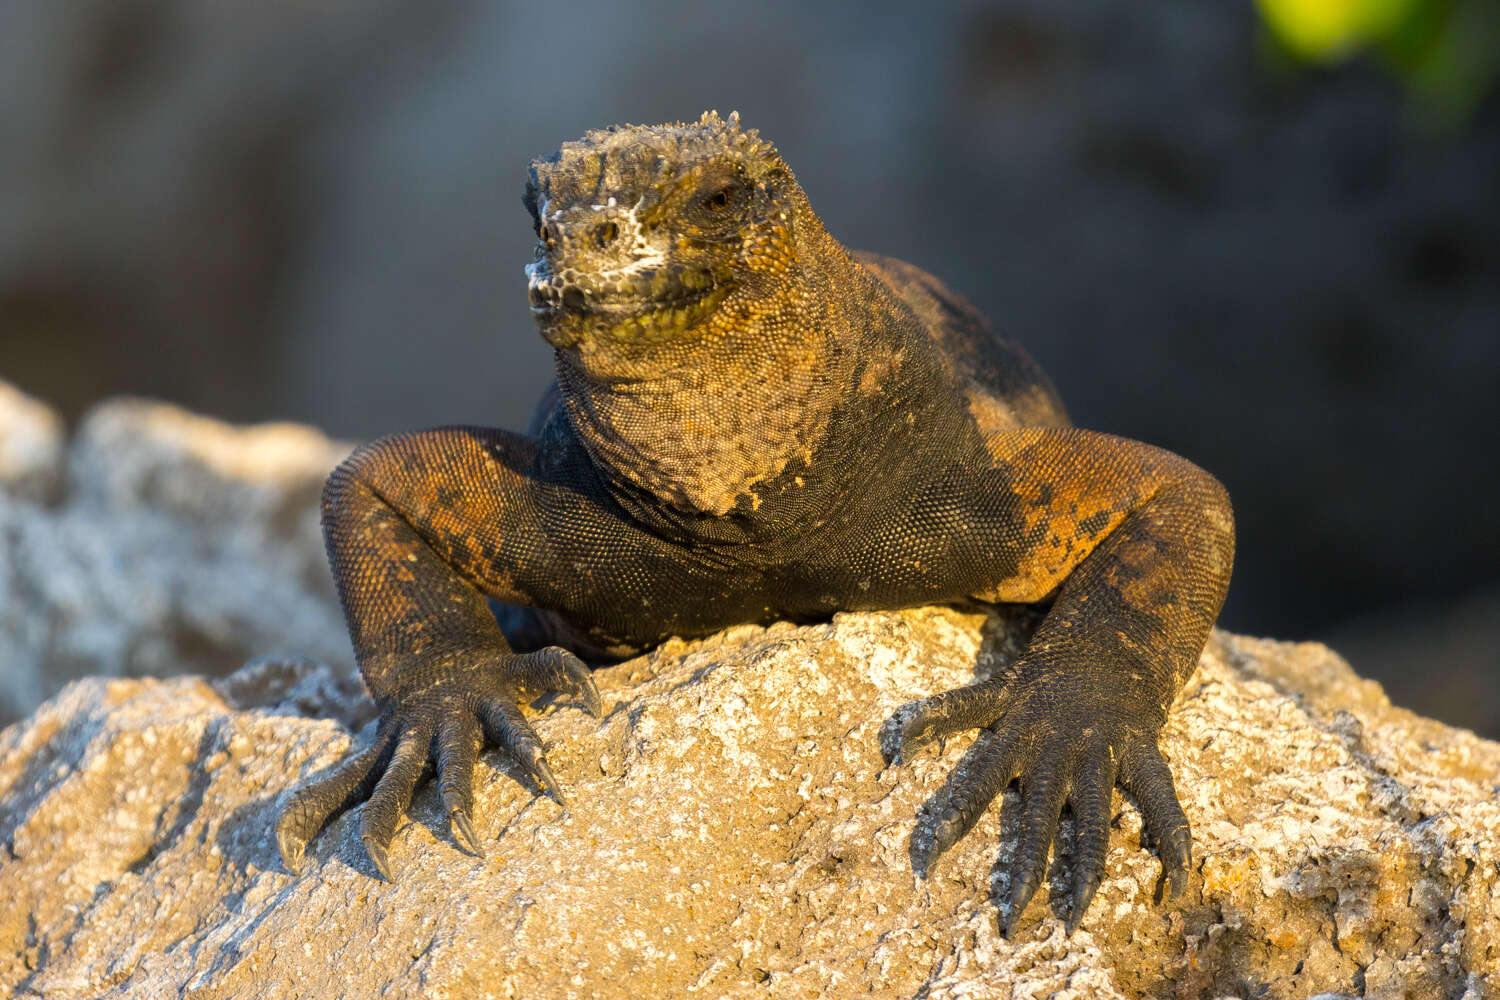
(708, 134)
(623, 159)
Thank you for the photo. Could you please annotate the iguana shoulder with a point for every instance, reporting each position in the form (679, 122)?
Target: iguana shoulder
(1003, 387)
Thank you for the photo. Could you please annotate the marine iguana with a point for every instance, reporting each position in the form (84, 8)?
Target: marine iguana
(751, 423)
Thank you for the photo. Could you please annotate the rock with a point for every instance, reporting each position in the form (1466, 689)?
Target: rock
(156, 542)
(1462, 634)
(734, 832)
(31, 446)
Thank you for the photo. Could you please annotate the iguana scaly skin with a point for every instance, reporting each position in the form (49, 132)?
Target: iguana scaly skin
(751, 423)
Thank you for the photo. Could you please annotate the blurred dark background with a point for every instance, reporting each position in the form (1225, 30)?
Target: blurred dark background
(1265, 237)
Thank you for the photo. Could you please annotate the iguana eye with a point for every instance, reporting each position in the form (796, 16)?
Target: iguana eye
(719, 200)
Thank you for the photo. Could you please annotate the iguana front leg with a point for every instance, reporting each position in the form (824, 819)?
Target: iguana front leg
(419, 529)
(1135, 546)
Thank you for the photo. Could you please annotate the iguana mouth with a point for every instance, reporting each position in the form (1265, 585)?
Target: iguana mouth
(646, 306)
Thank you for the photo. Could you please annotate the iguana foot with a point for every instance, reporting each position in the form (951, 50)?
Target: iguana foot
(1068, 743)
(439, 720)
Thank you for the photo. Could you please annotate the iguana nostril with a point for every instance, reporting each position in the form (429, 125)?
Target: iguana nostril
(605, 235)
(572, 299)
(548, 235)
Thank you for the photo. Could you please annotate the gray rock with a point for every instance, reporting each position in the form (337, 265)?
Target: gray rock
(168, 543)
(734, 832)
(31, 447)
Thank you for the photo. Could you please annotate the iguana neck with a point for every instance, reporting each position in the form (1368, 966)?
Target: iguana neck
(735, 405)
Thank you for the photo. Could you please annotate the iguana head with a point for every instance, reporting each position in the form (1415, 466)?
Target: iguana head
(651, 235)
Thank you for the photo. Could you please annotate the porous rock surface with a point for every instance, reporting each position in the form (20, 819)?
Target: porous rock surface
(734, 832)
(154, 541)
